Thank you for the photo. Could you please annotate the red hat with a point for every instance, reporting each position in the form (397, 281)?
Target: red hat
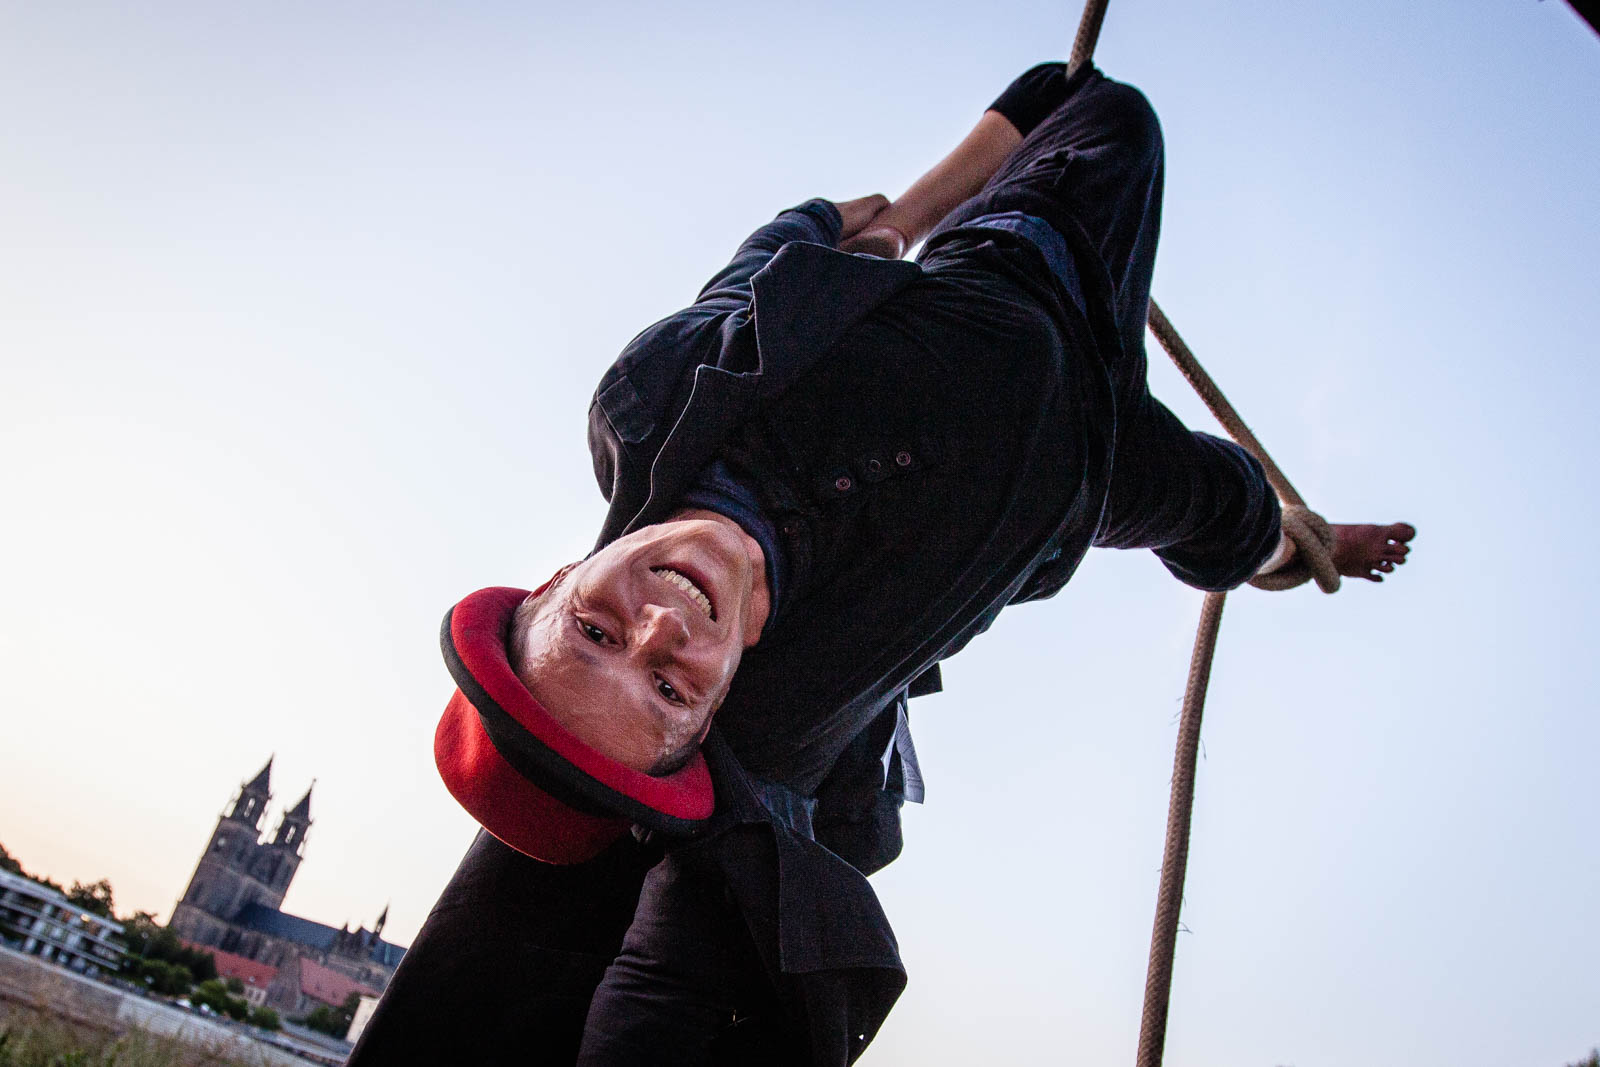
(521, 774)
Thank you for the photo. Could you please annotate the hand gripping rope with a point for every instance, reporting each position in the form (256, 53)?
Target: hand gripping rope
(1313, 541)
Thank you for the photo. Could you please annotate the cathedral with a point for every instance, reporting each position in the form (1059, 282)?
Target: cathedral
(233, 907)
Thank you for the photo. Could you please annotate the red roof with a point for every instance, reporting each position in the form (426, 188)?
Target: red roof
(326, 984)
(250, 972)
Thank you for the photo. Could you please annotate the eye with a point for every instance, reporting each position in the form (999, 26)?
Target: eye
(664, 687)
(593, 632)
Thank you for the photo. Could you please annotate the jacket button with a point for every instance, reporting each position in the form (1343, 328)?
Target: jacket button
(874, 466)
(902, 459)
(843, 483)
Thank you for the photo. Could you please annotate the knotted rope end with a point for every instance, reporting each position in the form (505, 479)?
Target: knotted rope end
(1313, 541)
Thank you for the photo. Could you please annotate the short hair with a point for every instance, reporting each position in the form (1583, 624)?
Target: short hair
(522, 620)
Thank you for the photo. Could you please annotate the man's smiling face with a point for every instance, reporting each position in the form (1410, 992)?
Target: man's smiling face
(633, 649)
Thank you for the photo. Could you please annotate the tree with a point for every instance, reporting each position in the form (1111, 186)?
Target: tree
(47, 883)
(95, 897)
(334, 1021)
(149, 943)
(8, 862)
(160, 943)
(235, 986)
(266, 1018)
(214, 995)
(138, 930)
(168, 979)
(203, 964)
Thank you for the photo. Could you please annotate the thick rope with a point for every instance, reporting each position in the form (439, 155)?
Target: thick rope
(1312, 536)
(1094, 13)
(1175, 854)
(1313, 540)
(1162, 327)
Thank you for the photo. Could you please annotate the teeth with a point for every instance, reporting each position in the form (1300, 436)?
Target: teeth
(682, 582)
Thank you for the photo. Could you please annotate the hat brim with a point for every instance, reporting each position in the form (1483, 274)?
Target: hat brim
(521, 775)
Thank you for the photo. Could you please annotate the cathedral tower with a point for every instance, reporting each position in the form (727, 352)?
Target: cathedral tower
(238, 868)
(280, 858)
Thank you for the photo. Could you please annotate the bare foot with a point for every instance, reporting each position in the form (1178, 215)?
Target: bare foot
(1370, 552)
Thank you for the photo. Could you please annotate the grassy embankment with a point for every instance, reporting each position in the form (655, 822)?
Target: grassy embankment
(28, 1039)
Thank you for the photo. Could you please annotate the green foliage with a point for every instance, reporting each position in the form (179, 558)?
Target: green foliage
(321, 1019)
(146, 940)
(214, 995)
(33, 1040)
(1593, 1060)
(161, 976)
(334, 1021)
(94, 898)
(235, 987)
(266, 1018)
(138, 930)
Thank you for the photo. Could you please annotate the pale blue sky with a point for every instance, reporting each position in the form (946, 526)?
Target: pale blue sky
(300, 308)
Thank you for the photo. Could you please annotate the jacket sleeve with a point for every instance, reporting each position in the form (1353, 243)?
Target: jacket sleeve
(642, 392)
(816, 221)
(1202, 503)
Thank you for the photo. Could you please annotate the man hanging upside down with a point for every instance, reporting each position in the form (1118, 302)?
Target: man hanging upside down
(825, 476)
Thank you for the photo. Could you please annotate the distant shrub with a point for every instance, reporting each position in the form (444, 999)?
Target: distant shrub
(159, 976)
(214, 995)
(144, 938)
(334, 1022)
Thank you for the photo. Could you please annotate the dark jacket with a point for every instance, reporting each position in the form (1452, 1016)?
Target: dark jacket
(780, 322)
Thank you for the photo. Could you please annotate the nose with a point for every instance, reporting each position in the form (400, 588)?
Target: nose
(662, 630)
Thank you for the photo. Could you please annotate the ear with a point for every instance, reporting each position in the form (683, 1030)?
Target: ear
(525, 608)
(549, 583)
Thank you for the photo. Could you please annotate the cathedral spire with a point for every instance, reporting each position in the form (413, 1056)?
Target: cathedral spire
(383, 917)
(302, 810)
(250, 805)
(262, 782)
(296, 821)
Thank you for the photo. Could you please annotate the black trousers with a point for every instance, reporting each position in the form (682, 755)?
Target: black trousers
(1092, 147)
(637, 956)
(631, 958)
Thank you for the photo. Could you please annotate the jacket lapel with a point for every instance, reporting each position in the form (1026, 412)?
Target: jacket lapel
(804, 300)
(808, 297)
